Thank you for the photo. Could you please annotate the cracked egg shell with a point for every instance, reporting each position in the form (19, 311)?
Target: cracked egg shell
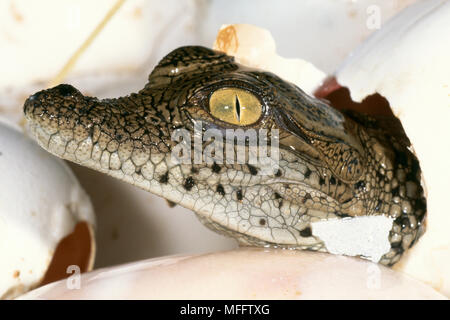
(46, 219)
(407, 62)
(255, 47)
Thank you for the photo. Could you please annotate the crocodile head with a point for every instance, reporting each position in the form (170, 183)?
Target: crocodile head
(180, 138)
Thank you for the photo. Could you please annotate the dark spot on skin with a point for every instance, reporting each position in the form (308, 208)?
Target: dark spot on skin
(164, 178)
(378, 206)
(413, 174)
(220, 190)
(119, 137)
(189, 183)
(397, 246)
(379, 176)
(280, 203)
(342, 215)
(306, 197)
(421, 208)
(91, 132)
(253, 170)
(321, 181)
(360, 185)
(171, 204)
(194, 170)
(401, 157)
(138, 170)
(262, 222)
(332, 180)
(278, 173)
(347, 200)
(395, 191)
(402, 221)
(239, 195)
(307, 173)
(405, 222)
(306, 232)
(277, 195)
(215, 168)
(354, 161)
(287, 186)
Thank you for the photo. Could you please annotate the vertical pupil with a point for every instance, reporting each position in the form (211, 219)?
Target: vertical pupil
(238, 109)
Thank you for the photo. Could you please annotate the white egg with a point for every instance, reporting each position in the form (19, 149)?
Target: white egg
(242, 274)
(41, 203)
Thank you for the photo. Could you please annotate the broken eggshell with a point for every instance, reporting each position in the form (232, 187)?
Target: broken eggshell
(255, 47)
(46, 219)
(407, 62)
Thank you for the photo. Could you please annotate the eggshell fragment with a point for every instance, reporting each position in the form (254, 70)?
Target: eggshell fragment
(407, 62)
(41, 203)
(255, 47)
(242, 274)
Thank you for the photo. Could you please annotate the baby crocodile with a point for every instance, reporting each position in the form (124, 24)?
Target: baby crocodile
(331, 165)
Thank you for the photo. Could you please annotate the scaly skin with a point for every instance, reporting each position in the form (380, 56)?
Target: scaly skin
(332, 165)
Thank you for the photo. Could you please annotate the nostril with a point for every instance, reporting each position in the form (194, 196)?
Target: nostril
(32, 97)
(65, 90)
(29, 103)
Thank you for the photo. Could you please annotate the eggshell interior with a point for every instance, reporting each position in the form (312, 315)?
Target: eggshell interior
(41, 202)
(407, 62)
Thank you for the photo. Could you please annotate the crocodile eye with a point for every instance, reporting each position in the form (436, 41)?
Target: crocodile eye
(235, 106)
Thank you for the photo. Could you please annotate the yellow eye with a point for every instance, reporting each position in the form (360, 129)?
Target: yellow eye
(235, 106)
